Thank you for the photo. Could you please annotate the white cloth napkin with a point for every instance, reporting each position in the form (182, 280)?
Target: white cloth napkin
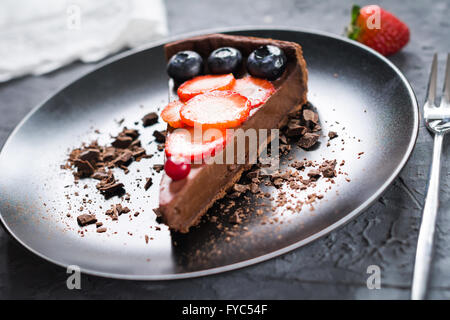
(37, 37)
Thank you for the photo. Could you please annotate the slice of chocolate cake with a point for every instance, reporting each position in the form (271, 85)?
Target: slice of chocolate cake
(183, 202)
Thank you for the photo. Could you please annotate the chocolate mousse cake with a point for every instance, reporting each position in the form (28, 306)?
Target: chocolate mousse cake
(184, 201)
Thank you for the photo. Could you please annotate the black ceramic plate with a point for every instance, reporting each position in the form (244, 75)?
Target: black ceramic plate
(357, 93)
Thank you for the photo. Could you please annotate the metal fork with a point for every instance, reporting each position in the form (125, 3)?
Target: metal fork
(437, 120)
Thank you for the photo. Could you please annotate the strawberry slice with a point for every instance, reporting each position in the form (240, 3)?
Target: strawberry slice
(186, 144)
(202, 84)
(254, 89)
(171, 114)
(216, 109)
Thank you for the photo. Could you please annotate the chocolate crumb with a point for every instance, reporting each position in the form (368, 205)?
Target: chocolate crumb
(278, 182)
(253, 174)
(314, 173)
(254, 188)
(240, 188)
(328, 168)
(298, 165)
(148, 184)
(235, 218)
(332, 135)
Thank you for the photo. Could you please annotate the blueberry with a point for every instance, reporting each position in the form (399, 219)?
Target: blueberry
(224, 60)
(267, 62)
(185, 65)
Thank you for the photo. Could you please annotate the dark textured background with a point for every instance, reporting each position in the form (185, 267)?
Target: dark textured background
(333, 267)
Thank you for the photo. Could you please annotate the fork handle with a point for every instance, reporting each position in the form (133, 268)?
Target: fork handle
(426, 233)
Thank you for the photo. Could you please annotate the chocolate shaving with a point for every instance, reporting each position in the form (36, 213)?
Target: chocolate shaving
(311, 118)
(308, 140)
(149, 119)
(109, 154)
(135, 143)
(111, 189)
(93, 160)
(122, 142)
(138, 153)
(86, 219)
(132, 133)
(116, 210)
(84, 168)
(124, 158)
(91, 155)
(294, 129)
(148, 184)
(99, 175)
(160, 136)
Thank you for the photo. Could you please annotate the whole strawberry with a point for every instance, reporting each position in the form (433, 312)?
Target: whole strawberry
(378, 29)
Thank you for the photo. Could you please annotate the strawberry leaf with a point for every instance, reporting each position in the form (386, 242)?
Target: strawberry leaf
(353, 30)
(355, 13)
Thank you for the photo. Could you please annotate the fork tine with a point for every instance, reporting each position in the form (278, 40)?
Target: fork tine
(446, 91)
(431, 93)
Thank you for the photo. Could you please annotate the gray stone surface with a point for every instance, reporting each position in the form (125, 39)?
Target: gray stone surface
(334, 267)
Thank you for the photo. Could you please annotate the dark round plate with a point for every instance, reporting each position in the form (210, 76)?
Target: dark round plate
(356, 91)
